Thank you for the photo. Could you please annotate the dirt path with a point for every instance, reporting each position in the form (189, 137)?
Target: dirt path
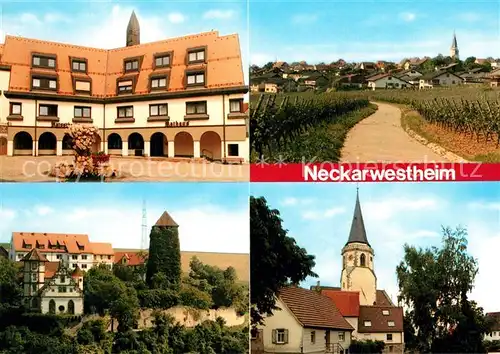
(381, 138)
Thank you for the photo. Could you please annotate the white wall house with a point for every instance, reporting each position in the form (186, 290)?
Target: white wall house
(296, 328)
(439, 79)
(387, 81)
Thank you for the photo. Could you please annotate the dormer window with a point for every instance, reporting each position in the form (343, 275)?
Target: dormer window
(79, 65)
(158, 83)
(162, 60)
(44, 61)
(125, 86)
(385, 312)
(195, 78)
(196, 55)
(390, 323)
(367, 323)
(132, 65)
(44, 83)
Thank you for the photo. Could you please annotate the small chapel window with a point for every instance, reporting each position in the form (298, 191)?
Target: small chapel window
(363, 260)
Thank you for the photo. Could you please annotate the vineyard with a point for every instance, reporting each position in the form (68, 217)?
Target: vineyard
(293, 127)
(467, 120)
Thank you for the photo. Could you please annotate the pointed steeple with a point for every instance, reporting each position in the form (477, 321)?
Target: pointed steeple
(358, 232)
(166, 220)
(454, 44)
(133, 31)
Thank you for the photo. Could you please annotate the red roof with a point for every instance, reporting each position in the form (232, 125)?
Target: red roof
(346, 301)
(313, 309)
(131, 258)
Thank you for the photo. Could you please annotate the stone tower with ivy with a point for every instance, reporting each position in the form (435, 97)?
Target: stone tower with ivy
(357, 261)
(164, 251)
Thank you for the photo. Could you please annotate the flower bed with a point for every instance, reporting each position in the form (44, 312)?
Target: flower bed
(87, 166)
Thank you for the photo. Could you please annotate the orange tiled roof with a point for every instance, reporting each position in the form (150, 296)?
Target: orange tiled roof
(48, 243)
(51, 268)
(223, 63)
(132, 258)
(346, 301)
(313, 309)
(102, 248)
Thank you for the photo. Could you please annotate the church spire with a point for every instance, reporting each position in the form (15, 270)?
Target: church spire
(454, 53)
(133, 31)
(358, 232)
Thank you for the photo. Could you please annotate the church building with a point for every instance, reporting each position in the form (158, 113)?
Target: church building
(178, 98)
(454, 52)
(369, 310)
(51, 287)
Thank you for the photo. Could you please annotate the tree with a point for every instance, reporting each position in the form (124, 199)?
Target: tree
(276, 259)
(164, 255)
(10, 290)
(101, 289)
(434, 283)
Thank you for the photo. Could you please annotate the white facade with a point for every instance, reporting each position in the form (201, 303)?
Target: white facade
(291, 337)
(223, 125)
(445, 79)
(495, 335)
(388, 82)
(62, 294)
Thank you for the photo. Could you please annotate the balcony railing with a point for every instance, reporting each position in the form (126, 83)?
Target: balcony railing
(334, 348)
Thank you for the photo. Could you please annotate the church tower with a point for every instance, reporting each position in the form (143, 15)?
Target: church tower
(33, 276)
(133, 31)
(454, 53)
(357, 261)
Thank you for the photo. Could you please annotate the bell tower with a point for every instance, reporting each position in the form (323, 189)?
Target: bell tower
(133, 31)
(357, 261)
(454, 52)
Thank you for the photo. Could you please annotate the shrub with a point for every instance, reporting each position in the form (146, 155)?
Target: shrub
(193, 297)
(158, 298)
(368, 346)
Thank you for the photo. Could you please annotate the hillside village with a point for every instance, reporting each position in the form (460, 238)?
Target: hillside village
(48, 278)
(409, 73)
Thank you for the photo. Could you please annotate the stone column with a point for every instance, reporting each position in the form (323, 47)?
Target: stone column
(196, 148)
(35, 144)
(171, 149)
(59, 148)
(125, 148)
(10, 148)
(147, 148)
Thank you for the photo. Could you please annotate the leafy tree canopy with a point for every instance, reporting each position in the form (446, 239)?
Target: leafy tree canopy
(276, 259)
(434, 283)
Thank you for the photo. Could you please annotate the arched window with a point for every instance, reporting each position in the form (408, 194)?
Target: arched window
(71, 307)
(52, 307)
(363, 260)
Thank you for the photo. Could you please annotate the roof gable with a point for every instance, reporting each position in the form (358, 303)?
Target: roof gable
(313, 309)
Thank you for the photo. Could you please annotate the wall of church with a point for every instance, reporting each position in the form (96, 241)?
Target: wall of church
(61, 304)
(353, 321)
(363, 280)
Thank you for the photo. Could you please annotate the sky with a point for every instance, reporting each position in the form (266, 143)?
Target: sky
(319, 217)
(212, 217)
(102, 24)
(371, 30)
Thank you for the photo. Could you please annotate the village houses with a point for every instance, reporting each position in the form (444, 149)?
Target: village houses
(179, 97)
(326, 319)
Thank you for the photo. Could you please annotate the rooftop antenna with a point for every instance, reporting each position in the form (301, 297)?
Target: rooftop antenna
(144, 240)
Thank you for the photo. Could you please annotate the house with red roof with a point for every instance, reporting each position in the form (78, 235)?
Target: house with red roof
(307, 322)
(495, 329)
